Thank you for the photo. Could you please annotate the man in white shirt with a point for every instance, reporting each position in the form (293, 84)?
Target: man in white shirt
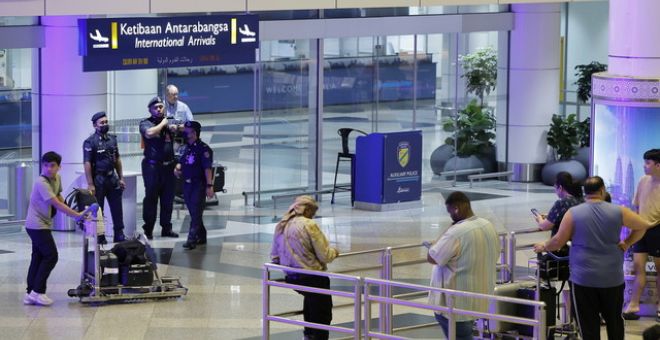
(178, 112)
(464, 258)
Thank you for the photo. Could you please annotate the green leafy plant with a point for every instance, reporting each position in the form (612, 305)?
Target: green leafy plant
(584, 73)
(473, 130)
(584, 133)
(563, 136)
(480, 72)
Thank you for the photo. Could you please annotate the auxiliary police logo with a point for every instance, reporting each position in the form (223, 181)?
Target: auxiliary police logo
(403, 153)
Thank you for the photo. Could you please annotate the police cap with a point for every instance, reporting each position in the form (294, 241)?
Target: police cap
(98, 116)
(194, 125)
(154, 101)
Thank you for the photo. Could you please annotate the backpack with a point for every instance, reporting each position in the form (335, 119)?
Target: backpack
(78, 199)
(130, 252)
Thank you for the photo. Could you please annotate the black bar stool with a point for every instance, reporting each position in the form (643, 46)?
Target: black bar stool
(342, 156)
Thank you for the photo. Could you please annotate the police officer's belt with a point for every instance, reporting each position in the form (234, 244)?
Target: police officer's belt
(105, 172)
(153, 161)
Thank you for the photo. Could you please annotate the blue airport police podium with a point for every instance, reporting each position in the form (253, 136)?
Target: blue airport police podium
(388, 171)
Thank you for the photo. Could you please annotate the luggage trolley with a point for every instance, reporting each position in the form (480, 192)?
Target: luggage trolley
(555, 272)
(93, 289)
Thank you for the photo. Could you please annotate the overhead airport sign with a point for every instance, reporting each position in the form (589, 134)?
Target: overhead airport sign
(161, 42)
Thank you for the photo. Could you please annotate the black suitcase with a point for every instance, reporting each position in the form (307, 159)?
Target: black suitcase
(219, 178)
(549, 296)
(136, 275)
(109, 267)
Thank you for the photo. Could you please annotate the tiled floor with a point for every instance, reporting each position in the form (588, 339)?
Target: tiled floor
(224, 277)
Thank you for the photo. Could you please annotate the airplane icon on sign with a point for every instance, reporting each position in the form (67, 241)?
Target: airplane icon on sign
(245, 30)
(98, 37)
(248, 36)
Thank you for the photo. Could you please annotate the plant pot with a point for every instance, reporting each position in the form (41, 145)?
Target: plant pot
(583, 155)
(462, 163)
(573, 167)
(488, 160)
(440, 156)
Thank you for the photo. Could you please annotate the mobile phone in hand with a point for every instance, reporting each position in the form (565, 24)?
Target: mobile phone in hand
(535, 212)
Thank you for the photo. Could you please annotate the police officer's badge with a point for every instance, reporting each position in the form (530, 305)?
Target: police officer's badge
(190, 159)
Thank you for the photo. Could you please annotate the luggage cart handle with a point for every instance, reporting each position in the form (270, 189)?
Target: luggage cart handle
(92, 209)
(557, 258)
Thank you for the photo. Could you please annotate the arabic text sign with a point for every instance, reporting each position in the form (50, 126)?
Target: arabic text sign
(160, 42)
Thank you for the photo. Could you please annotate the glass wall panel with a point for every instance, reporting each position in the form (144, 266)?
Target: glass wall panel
(286, 135)
(583, 24)
(15, 132)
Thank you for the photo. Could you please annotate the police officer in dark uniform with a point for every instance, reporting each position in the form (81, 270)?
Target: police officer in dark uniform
(195, 167)
(158, 169)
(103, 171)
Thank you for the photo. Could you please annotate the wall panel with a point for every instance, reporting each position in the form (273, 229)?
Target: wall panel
(21, 7)
(177, 6)
(273, 5)
(82, 7)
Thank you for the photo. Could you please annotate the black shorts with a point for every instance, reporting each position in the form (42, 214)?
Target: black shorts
(650, 243)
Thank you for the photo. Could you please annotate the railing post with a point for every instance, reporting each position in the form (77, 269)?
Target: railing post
(451, 318)
(512, 256)
(357, 309)
(367, 311)
(385, 323)
(540, 332)
(265, 302)
(505, 275)
(387, 256)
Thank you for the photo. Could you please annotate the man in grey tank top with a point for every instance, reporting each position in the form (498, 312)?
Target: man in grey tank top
(596, 258)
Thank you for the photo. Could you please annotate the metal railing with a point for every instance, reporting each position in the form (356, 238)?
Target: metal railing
(385, 268)
(538, 324)
(363, 299)
(514, 247)
(356, 295)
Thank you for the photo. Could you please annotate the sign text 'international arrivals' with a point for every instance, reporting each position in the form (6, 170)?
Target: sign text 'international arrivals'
(133, 43)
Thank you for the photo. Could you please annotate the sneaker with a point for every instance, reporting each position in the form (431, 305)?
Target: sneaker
(630, 316)
(40, 299)
(27, 300)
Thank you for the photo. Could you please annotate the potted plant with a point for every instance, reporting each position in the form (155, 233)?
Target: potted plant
(584, 73)
(584, 142)
(479, 72)
(563, 138)
(474, 125)
(473, 135)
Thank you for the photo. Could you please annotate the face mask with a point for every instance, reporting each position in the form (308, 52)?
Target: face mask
(104, 129)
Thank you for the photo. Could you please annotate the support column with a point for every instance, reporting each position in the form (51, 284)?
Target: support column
(533, 89)
(64, 98)
(634, 29)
